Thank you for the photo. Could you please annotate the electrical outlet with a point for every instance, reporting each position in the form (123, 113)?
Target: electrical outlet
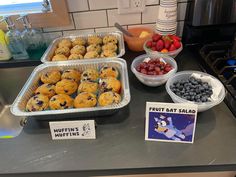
(136, 3)
(130, 6)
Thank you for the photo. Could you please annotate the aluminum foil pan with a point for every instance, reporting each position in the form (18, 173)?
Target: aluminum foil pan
(49, 53)
(18, 107)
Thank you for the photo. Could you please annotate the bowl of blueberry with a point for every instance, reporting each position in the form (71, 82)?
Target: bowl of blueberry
(153, 71)
(195, 87)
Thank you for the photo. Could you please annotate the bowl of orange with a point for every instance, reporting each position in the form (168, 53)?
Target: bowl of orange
(140, 36)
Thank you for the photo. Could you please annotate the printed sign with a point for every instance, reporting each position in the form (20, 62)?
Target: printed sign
(170, 122)
(83, 129)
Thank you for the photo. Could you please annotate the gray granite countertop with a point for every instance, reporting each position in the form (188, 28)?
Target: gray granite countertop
(120, 147)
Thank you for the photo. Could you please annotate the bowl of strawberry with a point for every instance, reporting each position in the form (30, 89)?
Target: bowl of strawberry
(153, 71)
(160, 46)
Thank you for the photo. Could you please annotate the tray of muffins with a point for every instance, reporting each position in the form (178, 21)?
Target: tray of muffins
(85, 88)
(89, 46)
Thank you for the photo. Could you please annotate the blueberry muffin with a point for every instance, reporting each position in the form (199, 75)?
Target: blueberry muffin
(94, 47)
(65, 43)
(107, 53)
(37, 103)
(78, 49)
(109, 98)
(110, 46)
(90, 75)
(75, 56)
(66, 86)
(91, 54)
(51, 77)
(109, 84)
(61, 101)
(85, 100)
(59, 57)
(63, 51)
(94, 40)
(46, 89)
(71, 74)
(110, 38)
(78, 41)
(108, 72)
(91, 87)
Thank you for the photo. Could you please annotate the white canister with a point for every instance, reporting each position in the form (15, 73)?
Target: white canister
(167, 17)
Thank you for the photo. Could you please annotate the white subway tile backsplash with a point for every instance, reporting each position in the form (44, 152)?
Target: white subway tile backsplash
(102, 4)
(181, 11)
(152, 2)
(151, 25)
(150, 14)
(77, 32)
(123, 19)
(108, 29)
(70, 27)
(77, 5)
(91, 19)
(180, 27)
(90, 16)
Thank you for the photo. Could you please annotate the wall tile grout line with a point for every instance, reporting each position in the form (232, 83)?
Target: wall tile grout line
(107, 19)
(73, 20)
(88, 5)
(93, 10)
(141, 17)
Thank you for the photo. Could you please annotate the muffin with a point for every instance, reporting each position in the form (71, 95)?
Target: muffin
(46, 89)
(71, 74)
(87, 86)
(78, 49)
(61, 101)
(109, 98)
(109, 84)
(107, 71)
(75, 56)
(107, 53)
(85, 100)
(63, 51)
(109, 46)
(59, 57)
(37, 103)
(94, 47)
(66, 86)
(91, 54)
(51, 77)
(65, 43)
(90, 75)
(110, 38)
(94, 40)
(78, 41)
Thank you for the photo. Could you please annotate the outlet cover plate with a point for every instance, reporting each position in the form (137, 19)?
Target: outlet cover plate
(130, 6)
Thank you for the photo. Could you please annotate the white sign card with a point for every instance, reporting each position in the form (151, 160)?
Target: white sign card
(82, 129)
(170, 122)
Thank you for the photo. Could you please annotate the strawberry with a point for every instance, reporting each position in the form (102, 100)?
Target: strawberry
(159, 45)
(172, 47)
(149, 44)
(167, 43)
(177, 44)
(156, 37)
(154, 44)
(174, 37)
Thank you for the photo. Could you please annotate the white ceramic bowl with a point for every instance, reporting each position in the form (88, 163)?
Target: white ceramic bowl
(201, 106)
(156, 54)
(153, 80)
